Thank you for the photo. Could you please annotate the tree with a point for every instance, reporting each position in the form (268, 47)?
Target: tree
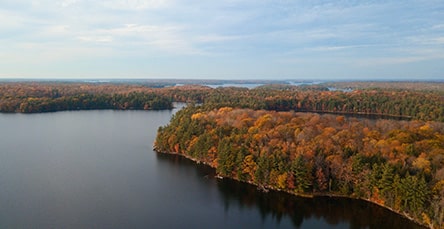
(249, 166)
(263, 170)
(321, 180)
(386, 184)
(225, 157)
(302, 180)
(415, 193)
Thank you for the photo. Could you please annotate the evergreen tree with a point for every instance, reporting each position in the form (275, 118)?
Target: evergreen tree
(263, 170)
(386, 184)
(225, 157)
(302, 178)
(414, 193)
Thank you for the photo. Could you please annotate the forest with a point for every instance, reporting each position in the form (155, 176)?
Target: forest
(394, 100)
(47, 97)
(393, 163)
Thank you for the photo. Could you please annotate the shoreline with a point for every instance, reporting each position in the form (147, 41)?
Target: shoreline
(320, 112)
(302, 195)
(87, 109)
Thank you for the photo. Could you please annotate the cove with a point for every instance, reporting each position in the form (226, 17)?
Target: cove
(96, 169)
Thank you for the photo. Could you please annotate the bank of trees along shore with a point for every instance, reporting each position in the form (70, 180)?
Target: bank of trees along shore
(390, 103)
(397, 164)
(387, 103)
(47, 97)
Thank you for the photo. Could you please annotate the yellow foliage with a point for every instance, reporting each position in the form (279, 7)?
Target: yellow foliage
(253, 130)
(427, 220)
(193, 142)
(249, 165)
(374, 134)
(383, 146)
(263, 121)
(198, 116)
(282, 181)
(422, 163)
(439, 186)
(425, 128)
(225, 110)
(273, 177)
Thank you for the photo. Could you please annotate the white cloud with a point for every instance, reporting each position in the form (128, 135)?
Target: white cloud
(333, 48)
(410, 56)
(67, 3)
(175, 46)
(141, 30)
(218, 38)
(102, 39)
(166, 38)
(10, 20)
(438, 27)
(29, 54)
(136, 4)
(426, 40)
(434, 41)
(56, 30)
(389, 60)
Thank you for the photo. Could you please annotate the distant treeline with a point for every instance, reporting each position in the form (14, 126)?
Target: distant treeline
(389, 103)
(397, 164)
(408, 104)
(34, 98)
(437, 86)
(131, 101)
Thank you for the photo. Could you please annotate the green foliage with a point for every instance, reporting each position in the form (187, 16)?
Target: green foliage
(302, 179)
(226, 157)
(414, 193)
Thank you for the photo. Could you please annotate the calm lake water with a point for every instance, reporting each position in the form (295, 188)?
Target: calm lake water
(96, 169)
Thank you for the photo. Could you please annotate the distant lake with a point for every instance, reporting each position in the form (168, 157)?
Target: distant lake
(96, 169)
(246, 85)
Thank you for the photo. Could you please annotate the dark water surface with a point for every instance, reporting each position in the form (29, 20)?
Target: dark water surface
(96, 169)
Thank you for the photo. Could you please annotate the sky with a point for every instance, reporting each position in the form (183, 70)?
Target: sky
(224, 39)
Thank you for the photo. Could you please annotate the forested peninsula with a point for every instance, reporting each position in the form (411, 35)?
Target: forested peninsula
(396, 164)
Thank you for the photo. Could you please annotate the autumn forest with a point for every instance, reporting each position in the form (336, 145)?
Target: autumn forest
(380, 142)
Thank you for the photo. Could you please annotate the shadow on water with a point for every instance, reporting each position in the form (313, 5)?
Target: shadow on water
(336, 212)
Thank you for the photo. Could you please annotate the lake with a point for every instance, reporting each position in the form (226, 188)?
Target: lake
(246, 85)
(97, 169)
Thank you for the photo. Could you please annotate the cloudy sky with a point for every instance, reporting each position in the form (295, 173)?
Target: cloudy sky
(225, 39)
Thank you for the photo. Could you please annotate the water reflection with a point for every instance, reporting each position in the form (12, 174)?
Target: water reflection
(319, 212)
